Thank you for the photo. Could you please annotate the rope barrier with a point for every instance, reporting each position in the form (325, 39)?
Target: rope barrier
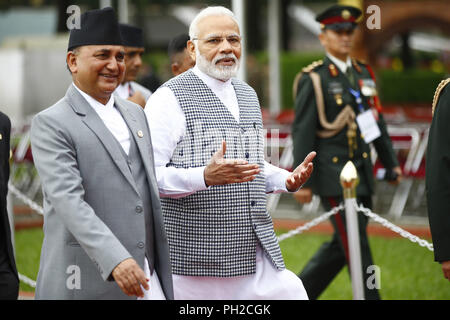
(37, 208)
(367, 212)
(311, 223)
(385, 223)
(27, 280)
(33, 205)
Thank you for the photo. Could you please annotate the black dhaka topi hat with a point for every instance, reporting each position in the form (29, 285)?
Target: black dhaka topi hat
(131, 36)
(97, 27)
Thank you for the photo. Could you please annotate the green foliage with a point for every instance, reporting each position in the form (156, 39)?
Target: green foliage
(159, 61)
(411, 86)
(292, 63)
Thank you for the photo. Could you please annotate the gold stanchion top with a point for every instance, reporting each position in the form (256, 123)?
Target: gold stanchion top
(349, 180)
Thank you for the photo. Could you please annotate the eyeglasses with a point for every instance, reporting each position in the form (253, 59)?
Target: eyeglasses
(234, 41)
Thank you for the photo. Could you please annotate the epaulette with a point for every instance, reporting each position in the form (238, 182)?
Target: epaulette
(359, 61)
(306, 69)
(356, 65)
(312, 66)
(439, 89)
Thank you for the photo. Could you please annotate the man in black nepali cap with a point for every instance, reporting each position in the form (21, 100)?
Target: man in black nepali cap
(331, 126)
(133, 42)
(104, 232)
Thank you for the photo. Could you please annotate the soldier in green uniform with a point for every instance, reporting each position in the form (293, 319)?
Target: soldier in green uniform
(438, 176)
(337, 114)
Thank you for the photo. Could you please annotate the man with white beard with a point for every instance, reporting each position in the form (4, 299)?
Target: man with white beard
(207, 130)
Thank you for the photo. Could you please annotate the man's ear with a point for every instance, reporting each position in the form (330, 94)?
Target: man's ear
(191, 49)
(175, 67)
(71, 60)
(322, 37)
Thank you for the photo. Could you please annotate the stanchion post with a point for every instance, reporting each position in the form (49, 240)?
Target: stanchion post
(349, 180)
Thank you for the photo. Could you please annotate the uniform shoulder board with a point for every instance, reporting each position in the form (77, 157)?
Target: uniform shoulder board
(357, 64)
(312, 66)
(306, 69)
(439, 89)
(359, 61)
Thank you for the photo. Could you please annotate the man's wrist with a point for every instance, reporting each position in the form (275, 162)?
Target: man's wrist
(285, 176)
(293, 191)
(197, 179)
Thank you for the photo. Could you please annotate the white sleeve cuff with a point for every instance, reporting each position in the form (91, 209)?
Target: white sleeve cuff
(280, 181)
(275, 178)
(197, 179)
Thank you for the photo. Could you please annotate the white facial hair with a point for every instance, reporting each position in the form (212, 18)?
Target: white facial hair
(223, 73)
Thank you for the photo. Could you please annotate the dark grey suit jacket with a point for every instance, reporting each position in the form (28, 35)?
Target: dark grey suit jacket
(90, 222)
(7, 261)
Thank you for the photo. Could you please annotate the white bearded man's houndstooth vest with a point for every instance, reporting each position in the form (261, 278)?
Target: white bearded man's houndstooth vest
(215, 232)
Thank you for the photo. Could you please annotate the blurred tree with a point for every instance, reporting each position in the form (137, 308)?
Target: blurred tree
(62, 15)
(406, 54)
(285, 27)
(254, 40)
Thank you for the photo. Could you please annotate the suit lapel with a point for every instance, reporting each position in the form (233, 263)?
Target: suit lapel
(93, 122)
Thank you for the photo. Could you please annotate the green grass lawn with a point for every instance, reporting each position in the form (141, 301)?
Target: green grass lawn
(407, 270)
(28, 251)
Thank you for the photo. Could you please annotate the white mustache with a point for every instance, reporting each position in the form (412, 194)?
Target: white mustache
(225, 56)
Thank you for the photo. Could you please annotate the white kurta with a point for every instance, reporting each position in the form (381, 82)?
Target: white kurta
(115, 123)
(168, 126)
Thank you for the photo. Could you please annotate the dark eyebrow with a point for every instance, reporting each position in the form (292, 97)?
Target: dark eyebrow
(103, 51)
(133, 52)
(108, 51)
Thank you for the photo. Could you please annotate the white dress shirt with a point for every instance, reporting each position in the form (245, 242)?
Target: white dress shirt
(115, 123)
(112, 119)
(342, 65)
(123, 90)
(168, 126)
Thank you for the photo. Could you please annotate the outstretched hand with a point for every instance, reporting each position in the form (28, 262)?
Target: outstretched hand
(222, 171)
(301, 174)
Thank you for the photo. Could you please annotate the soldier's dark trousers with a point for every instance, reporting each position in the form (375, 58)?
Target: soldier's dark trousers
(332, 256)
(9, 283)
